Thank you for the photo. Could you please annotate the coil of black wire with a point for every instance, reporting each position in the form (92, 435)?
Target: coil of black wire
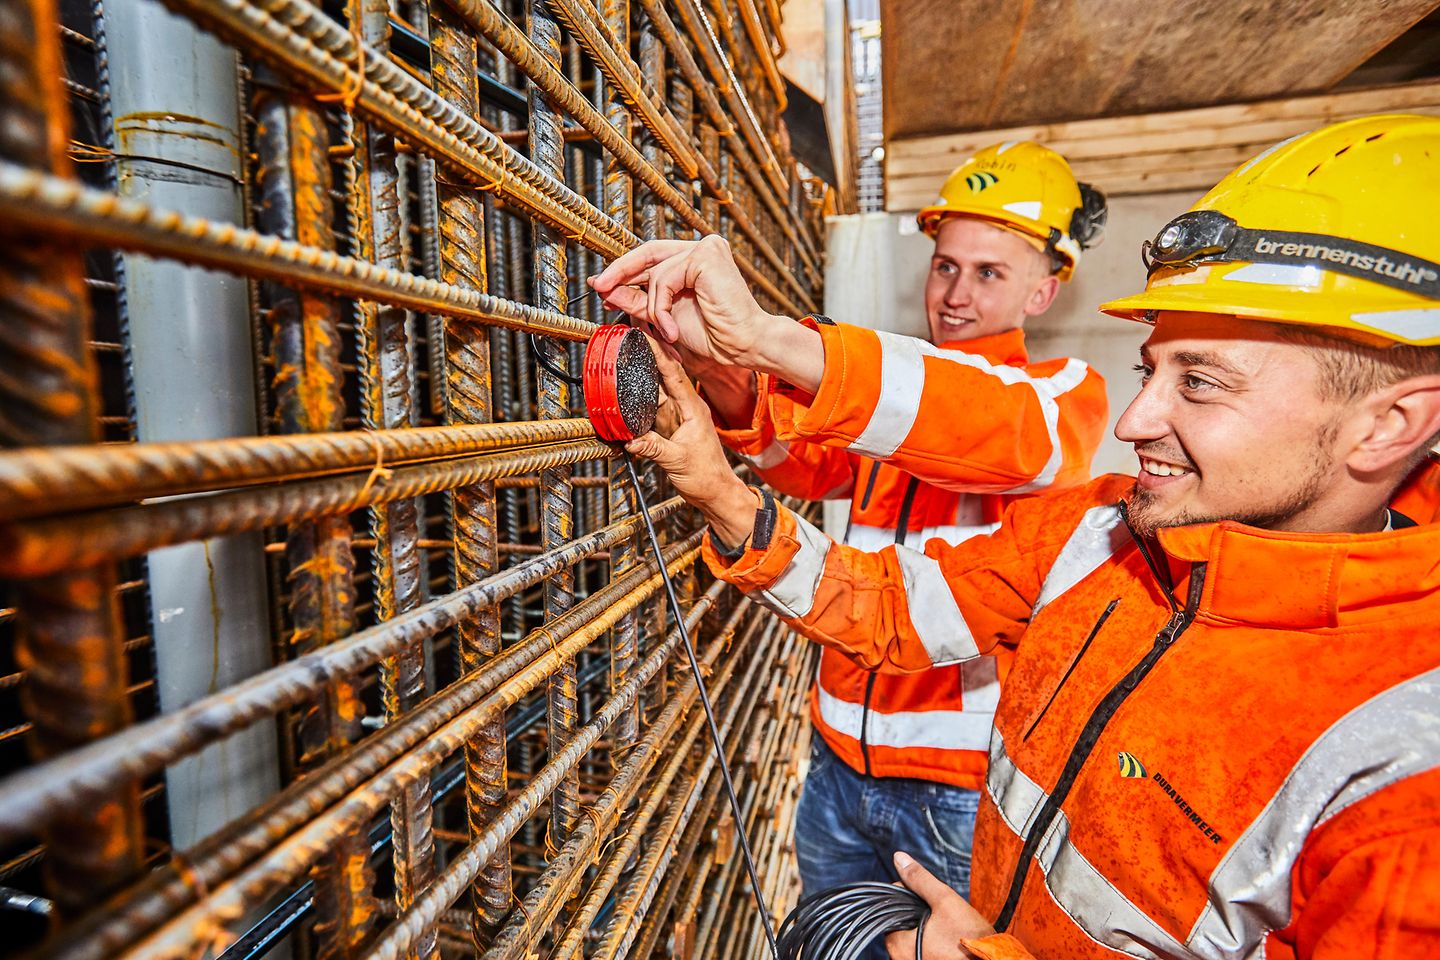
(839, 923)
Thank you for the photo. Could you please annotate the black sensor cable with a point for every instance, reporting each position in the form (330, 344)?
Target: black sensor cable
(840, 923)
(709, 711)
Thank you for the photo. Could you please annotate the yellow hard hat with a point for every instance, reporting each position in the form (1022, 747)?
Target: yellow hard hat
(1339, 227)
(1030, 190)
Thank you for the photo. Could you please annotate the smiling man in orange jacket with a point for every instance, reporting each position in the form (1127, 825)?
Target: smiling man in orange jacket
(1221, 733)
(927, 439)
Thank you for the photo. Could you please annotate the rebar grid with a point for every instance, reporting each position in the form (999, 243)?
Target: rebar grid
(486, 745)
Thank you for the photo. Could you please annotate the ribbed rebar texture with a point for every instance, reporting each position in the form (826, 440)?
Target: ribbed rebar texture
(486, 737)
(69, 644)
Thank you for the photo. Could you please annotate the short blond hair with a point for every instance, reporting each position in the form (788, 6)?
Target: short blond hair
(1350, 369)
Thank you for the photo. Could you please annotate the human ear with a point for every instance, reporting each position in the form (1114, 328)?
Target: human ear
(1401, 419)
(1042, 296)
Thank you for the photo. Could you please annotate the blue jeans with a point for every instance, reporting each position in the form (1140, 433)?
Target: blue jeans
(848, 826)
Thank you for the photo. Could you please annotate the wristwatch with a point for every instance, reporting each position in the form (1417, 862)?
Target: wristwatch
(765, 517)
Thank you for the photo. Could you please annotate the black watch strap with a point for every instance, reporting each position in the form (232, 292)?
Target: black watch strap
(764, 521)
(765, 516)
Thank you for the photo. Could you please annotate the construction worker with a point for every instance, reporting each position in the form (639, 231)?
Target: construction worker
(1220, 736)
(928, 440)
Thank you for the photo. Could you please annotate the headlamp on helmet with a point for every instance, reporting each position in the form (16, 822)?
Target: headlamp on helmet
(1209, 236)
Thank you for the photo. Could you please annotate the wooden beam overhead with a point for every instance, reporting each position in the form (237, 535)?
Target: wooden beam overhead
(953, 65)
(1150, 153)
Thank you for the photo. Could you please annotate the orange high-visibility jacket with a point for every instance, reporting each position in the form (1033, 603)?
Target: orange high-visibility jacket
(975, 424)
(1223, 744)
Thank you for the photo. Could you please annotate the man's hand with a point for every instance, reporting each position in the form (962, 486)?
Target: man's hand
(685, 446)
(691, 295)
(952, 919)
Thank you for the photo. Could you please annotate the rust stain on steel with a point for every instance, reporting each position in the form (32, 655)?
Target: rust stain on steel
(38, 481)
(457, 720)
(386, 392)
(69, 637)
(581, 625)
(547, 152)
(470, 397)
(177, 125)
(292, 140)
(320, 51)
(69, 211)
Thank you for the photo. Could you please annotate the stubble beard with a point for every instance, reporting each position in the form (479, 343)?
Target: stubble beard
(1146, 515)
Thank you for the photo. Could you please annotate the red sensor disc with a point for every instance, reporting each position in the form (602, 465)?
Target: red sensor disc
(621, 383)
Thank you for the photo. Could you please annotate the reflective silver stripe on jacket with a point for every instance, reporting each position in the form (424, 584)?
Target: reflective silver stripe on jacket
(773, 455)
(1391, 736)
(933, 612)
(902, 383)
(902, 380)
(941, 729)
(792, 595)
(1100, 534)
(1016, 796)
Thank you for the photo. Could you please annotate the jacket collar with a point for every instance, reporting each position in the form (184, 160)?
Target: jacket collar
(1006, 348)
(1306, 580)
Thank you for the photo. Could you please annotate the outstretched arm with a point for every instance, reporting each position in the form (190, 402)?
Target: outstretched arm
(898, 610)
(691, 295)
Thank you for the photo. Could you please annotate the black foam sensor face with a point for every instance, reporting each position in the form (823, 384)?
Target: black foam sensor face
(637, 383)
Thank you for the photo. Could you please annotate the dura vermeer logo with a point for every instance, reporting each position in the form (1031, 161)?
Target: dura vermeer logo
(980, 181)
(1132, 769)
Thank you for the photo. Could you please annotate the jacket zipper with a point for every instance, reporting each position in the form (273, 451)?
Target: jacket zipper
(1094, 631)
(864, 499)
(901, 531)
(1180, 620)
(865, 721)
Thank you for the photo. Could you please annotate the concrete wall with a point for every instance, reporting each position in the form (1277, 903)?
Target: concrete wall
(875, 268)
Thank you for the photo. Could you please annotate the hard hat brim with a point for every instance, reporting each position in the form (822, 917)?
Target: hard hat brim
(931, 217)
(1307, 308)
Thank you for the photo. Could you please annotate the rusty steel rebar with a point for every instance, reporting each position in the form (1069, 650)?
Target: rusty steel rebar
(553, 644)
(388, 404)
(41, 481)
(563, 875)
(69, 642)
(35, 795)
(31, 200)
(691, 71)
(40, 547)
(296, 202)
(299, 39)
(29, 799)
(469, 395)
(638, 829)
(392, 942)
(557, 518)
(424, 184)
(598, 37)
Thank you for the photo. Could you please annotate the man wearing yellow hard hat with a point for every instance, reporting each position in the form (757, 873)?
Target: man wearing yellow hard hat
(1220, 736)
(927, 440)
